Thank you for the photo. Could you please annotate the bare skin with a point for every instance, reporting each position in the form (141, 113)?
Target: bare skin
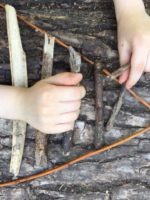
(133, 39)
(52, 105)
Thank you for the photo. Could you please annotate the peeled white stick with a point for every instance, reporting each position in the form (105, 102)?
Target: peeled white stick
(19, 78)
(47, 67)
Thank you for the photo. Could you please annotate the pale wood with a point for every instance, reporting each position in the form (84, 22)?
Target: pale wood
(41, 138)
(19, 79)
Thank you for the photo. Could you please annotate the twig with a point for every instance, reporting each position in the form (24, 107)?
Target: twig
(36, 28)
(19, 79)
(76, 160)
(41, 138)
(119, 71)
(116, 110)
(75, 64)
(99, 123)
(136, 96)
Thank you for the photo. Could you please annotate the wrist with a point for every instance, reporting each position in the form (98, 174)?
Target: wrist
(21, 103)
(128, 8)
(12, 102)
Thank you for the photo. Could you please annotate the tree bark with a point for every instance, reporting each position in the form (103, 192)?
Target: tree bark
(122, 173)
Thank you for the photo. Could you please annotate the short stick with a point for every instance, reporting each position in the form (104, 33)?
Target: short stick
(41, 138)
(75, 64)
(99, 123)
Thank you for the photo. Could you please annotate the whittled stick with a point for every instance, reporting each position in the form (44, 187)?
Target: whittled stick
(41, 138)
(19, 78)
(75, 65)
(119, 71)
(99, 121)
(116, 110)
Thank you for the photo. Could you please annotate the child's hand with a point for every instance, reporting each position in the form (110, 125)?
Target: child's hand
(134, 45)
(52, 105)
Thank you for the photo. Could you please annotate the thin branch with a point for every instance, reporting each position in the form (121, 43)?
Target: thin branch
(41, 138)
(75, 65)
(99, 123)
(19, 79)
(76, 160)
(136, 96)
(116, 110)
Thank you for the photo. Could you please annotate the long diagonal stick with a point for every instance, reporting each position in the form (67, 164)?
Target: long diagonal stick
(41, 138)
(76, 160)
(19, 79)
(40, 30)
(115, 110)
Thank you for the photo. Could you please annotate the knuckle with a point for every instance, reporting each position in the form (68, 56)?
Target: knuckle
(82, 92)
(76, 93)
(75, 115)
(78, 105)
(69, 127)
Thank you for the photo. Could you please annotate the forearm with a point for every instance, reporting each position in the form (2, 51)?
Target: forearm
(127, 7)
(11, 99)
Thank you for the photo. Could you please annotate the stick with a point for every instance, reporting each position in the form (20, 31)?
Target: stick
(76, 160)
(119, 71)
(75, 64)
(136, 96)
(99, 123)
(19, 79)
(116, 110)
(41, 138)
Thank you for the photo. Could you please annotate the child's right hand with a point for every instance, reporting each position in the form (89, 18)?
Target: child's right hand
(52, 105)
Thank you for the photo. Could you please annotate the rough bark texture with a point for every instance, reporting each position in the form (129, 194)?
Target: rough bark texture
(119, 174)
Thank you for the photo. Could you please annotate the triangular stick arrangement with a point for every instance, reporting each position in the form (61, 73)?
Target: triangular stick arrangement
(19, 78)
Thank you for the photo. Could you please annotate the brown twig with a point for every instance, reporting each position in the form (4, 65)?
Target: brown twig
(99, 122)
(41, 138)
(116, 110)
(136, 96)
(38, 29)
(76, 160)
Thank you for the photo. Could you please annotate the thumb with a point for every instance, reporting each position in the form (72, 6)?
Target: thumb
(66, 78)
